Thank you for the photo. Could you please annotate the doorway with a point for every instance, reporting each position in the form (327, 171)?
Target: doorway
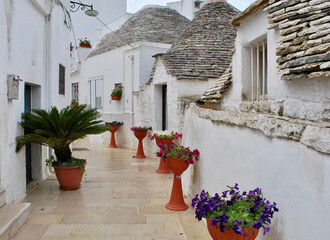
(164, 108)
(28, 153)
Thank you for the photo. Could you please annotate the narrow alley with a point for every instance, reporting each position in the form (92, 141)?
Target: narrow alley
(120, 198)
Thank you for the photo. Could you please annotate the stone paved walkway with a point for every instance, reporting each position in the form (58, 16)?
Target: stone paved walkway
(120, 198)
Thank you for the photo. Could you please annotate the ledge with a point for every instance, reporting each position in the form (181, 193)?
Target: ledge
(313, 135)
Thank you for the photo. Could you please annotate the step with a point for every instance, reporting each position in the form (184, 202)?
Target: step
(2, 197)
(12, 218)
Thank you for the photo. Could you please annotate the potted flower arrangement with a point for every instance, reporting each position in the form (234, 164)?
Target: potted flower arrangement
(113, 127)
(233, 215)
(57, 130)
(140, 133)
(164, 137)
(177, 159)
(73, 103)
(85, 43)
(116, 93)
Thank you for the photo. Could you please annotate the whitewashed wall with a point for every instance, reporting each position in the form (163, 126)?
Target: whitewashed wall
(179, 93)
(126, 65)
(289, 173)
(305, 99)
(32, 50)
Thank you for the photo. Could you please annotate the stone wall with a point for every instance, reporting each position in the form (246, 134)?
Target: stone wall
(304, 44)
(294, 176)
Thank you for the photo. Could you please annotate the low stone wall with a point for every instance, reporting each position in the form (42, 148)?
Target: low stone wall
(243, 148)
(310, 134)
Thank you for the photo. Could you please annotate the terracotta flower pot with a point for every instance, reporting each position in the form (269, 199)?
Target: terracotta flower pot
(69, 177)
(113, 140)
(140, 135)
(84, 45)
(115, 97)
(216, 234)
(162, 165)
(176, 202)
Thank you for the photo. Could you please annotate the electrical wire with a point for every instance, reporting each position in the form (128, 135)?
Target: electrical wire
(112, 31)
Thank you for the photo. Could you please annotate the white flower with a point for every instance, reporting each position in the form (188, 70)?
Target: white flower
(163, 133)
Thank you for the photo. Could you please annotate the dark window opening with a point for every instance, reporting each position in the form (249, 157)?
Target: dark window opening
(61, 88)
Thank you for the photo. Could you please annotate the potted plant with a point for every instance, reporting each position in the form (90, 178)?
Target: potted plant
(233, 215)
(177, 159)
(73, 103)
(57, 130)
(85, 43)
(140, 133)
(116, 93)
(164, 137)
(113, 127)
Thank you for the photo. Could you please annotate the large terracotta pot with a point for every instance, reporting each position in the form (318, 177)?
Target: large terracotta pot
(69, 177)
(115, 97)
(176, 202)
(140, 135)
(216, 234)
(113, 140)
(162, 166)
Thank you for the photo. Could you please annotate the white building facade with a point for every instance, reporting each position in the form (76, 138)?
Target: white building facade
(34, 73)
(187, 69)
(124, 58)
(267, 130)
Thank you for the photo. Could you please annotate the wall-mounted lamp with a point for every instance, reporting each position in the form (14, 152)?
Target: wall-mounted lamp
(75, 6)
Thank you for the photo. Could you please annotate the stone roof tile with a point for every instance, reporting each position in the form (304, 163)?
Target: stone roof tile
(203, 51)
(150, 24)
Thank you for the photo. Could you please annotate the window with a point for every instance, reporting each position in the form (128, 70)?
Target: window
(96, 92)
(258, 79)
(117, 85)
(75, 92)
(61, 86)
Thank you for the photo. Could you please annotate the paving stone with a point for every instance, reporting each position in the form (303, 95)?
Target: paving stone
(93, 214)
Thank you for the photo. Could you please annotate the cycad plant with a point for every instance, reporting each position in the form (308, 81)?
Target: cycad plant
(58, 129)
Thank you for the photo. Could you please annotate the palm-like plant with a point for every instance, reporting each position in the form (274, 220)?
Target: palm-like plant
(58, 129)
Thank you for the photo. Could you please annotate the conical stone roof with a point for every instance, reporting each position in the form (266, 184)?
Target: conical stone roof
(204, 50)
(150, 24)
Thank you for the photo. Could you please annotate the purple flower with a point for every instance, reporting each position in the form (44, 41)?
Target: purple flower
(235, 211)
(266, 230)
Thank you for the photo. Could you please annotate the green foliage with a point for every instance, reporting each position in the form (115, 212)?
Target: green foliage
(58, 129)
(73, 162)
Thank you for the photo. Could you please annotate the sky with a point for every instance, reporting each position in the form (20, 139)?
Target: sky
(135, 5)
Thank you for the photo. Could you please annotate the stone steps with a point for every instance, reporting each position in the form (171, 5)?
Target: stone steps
(2, 197)
(12, 218)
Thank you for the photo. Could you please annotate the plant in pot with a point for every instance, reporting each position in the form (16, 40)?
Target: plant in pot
(113, 127)
(85, 43)
(116, 93)
(233, 215)
(57, 130)
(164, 137)
(177, 159)
(73, 103)
(140, 133)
